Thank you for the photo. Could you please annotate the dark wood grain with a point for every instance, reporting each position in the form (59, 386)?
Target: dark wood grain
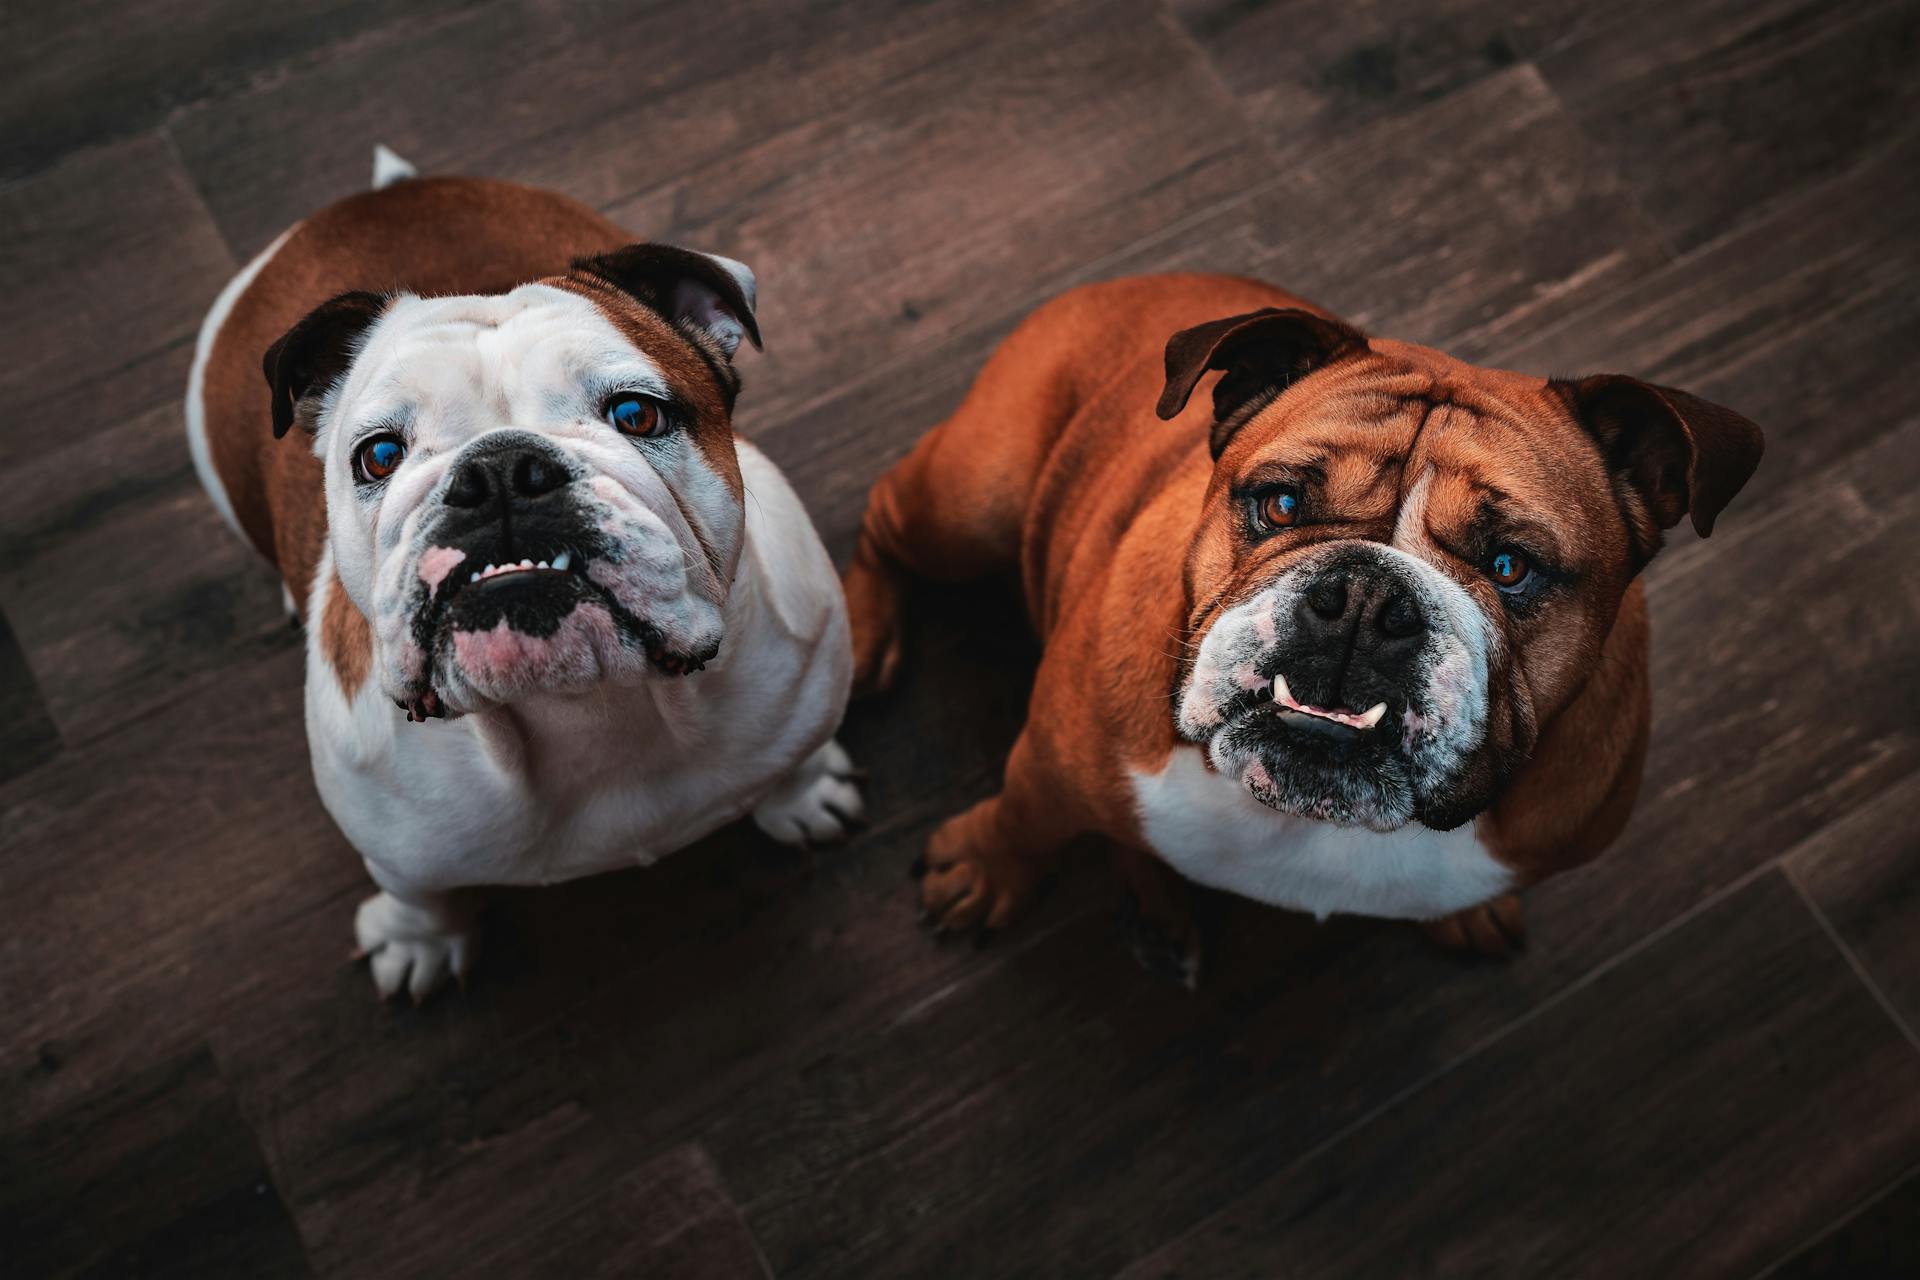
(1863, 873)
(1878, 1240)
(671, 1219)
(154, 1175)
(1767, 98)
(27, 735)
(111, 646)
(1312, 70)
(1482, 209)
(97, 286)
(1789, 321)
(1529, 1158)
(90, 72)
(747, 1062)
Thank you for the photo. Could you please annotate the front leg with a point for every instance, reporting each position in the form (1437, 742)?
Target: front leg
(818, 803)
(1163, 929)
(1496, 928)
(414, 943)
(982, 866)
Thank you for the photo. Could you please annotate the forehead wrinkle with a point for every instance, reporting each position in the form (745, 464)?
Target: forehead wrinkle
(1462, 496)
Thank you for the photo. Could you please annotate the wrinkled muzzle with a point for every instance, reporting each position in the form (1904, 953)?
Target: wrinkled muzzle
(1352, 688)
(522, 572)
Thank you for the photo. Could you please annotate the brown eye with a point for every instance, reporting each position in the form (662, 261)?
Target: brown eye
(1509, 569)
(379, 457)
(636, 416)
(1279, 508)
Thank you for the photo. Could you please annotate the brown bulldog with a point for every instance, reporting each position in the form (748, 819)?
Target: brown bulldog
(1362, 634)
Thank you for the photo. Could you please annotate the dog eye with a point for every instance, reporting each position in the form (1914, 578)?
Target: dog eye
(1278, 507)
(640, 416)
(379, 458)
(1509, 569)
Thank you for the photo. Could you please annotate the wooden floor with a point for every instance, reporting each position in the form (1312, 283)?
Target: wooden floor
(743, 1063)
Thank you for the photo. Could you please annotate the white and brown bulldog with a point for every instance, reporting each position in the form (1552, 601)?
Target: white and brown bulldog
(1359, 632)
(559, 618)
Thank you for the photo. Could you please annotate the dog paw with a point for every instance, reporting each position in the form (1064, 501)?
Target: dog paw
(961, 890)
(1497, 929)
(413, 948)
(817, 804)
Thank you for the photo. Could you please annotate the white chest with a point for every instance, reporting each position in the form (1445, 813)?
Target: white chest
(1208, 828)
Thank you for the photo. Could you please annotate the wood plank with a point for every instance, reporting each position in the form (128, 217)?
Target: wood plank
(659, 98)
(1878, 1239)
(153, 1175)
(1797, 321)
(1308, 71)
(1671, 92)
(27, 734)
(100, 288)
(670, 1219)
(1484, 209)
(1635, 1128)
(1863, 872)
(132, 595)
(145, 879)
(1132, 137)
(71, 86)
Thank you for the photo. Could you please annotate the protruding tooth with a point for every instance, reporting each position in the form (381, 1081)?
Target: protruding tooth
(1371, 716)
(1281, 693)
(526, 564)
(541, 565)
(562, 560)
(474, 578)
(487, 572)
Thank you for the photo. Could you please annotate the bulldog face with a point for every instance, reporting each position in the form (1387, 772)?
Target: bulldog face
(1407, 565)
(530, 491)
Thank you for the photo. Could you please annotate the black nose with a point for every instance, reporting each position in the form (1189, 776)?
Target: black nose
(1368, 608)
(503, 474)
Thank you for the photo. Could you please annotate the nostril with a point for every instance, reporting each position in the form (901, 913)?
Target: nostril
(1328, 598)
(1400, 617)
(535, 474)
(469, 487)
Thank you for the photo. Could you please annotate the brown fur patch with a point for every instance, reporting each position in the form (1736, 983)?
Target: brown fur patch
(346, 639)
(688, 371)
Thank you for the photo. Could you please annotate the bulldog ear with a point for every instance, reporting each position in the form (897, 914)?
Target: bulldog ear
(310, 357)
(1671, 454)
(711, 293)
(1269, 349)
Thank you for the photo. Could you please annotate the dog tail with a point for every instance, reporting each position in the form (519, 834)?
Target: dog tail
(389, 167)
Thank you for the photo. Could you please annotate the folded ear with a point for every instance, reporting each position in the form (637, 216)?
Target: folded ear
(713, 294)
(1671, 454)
(310, 357)
(1263, 350)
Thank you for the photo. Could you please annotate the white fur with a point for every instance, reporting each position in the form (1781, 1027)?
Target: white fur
(551, 789)
(1206, 826)
(560, 780)
(389, 167)
(197, 380)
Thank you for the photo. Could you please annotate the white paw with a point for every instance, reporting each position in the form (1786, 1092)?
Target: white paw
(818, 803)
(413, 948)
